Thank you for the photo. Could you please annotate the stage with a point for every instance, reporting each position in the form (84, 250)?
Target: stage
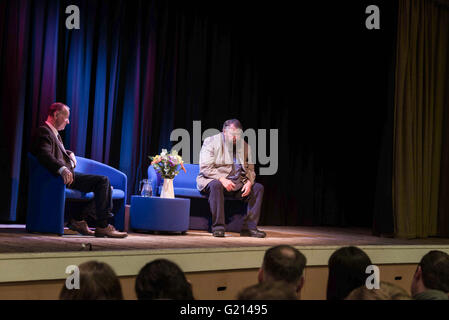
(15, 239)
(316, 242)
(33, 265)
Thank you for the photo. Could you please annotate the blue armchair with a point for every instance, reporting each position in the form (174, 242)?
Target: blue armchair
(184, 186)
(47, 195)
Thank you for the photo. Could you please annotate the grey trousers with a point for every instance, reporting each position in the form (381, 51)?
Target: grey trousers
(216, 193)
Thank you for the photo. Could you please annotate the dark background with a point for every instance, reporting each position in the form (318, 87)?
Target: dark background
(318, 75)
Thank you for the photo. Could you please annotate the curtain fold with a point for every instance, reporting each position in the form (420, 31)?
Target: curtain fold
(443, 202)
(13, 62)
(383, 217)
(421, 85)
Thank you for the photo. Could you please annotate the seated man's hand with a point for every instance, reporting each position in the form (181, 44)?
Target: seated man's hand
(67, 176)
(246, 188)
(72, 156)
(227, 184)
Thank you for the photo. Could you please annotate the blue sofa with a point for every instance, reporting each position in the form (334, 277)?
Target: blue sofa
(184, 186)
(47, 195)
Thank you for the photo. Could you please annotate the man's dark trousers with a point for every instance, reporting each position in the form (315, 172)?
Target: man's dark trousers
(216, 194)
(101, 188)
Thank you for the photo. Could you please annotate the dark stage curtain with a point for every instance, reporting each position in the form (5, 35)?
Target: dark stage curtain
(136, 70)
(383, 217)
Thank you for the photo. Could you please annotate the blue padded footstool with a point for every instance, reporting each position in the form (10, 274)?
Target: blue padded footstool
(159, 214)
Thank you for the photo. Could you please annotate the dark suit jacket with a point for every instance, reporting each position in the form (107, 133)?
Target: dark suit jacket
(49, 152)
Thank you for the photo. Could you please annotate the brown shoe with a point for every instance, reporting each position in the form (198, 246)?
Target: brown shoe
(109, 232)
(80, 227)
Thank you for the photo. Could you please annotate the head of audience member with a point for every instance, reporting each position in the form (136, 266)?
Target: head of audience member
(347, 271)
(58, 115)
(284, 263)
(432, 274)
(277, 290)
(97, 281)
(386, 291)
(162, 279)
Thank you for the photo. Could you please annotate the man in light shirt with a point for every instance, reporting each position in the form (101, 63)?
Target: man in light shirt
(51, 153)
(226, 169)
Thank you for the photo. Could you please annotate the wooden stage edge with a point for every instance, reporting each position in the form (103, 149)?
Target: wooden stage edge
(30, 257)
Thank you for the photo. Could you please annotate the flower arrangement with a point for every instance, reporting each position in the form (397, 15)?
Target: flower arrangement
(168, 164)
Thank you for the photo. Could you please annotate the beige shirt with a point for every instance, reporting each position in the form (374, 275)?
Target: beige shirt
(216, 161)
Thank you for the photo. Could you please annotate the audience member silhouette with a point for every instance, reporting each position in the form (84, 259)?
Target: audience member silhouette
(284, 263)
(347, 271)
(386, 291)
(97, 281)
(162, 279)
(275, 290)
(431, 278)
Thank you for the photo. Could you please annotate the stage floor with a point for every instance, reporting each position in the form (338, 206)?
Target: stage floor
(15, 239)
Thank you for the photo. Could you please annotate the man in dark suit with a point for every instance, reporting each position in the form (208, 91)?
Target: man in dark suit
(51, 153)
